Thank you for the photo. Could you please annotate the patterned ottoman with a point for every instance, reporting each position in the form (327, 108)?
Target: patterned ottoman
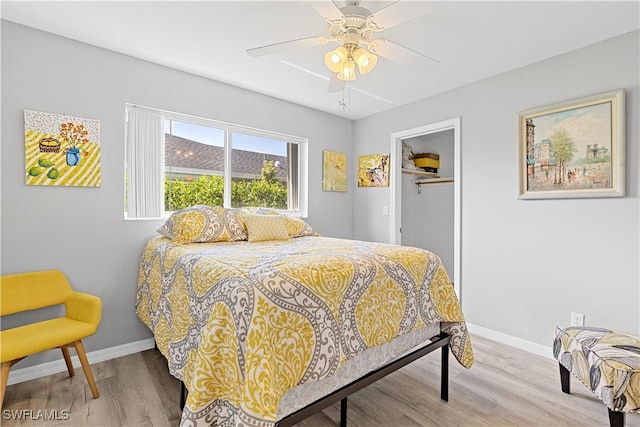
(607, 362)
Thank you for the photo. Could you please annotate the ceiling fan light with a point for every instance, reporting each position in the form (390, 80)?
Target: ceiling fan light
(348, 71)
(328, 60)
(361, 56)
(335, 58)
(366, 61)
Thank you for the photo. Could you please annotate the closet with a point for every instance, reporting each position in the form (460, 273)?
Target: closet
(427, 211)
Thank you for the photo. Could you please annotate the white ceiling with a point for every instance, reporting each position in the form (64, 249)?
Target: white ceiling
(472, 40)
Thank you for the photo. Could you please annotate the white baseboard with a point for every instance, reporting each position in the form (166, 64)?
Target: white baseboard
(49, 368)
(519, 343)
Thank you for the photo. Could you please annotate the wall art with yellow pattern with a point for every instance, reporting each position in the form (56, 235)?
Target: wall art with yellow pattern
(61, 150)
(373, 170)
(334, 171)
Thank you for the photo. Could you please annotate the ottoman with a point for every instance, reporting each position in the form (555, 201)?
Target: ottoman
(606, 362)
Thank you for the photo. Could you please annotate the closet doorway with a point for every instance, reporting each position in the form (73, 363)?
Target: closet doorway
(442, 136)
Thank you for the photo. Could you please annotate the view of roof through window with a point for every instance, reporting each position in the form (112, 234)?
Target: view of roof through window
(211, 136)
(195, 168)
(203, 161)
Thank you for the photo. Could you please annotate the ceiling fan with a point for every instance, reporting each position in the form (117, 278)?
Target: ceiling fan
(352, 27)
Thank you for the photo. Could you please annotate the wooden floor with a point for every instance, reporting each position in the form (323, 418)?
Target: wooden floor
(505, 387)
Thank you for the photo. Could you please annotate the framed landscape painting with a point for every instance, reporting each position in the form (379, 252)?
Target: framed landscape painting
(573, 149)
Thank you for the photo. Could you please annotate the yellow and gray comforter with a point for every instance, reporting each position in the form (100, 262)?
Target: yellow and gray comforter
(242, 323)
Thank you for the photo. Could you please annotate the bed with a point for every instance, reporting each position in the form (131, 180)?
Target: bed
(258, 329)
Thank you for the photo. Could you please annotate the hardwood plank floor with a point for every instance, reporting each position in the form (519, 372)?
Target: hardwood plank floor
(505, 387)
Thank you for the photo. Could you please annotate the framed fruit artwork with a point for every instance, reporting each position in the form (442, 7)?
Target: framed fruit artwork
(61, 150)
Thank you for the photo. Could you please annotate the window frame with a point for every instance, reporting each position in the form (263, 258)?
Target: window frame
(229, 129)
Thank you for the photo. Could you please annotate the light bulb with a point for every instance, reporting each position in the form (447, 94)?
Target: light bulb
(365, 60)
(335, 58)
(348, 71)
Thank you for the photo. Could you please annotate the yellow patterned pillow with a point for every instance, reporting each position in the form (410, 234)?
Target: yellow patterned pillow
(296, 227)
(201, 223)
(265, 227)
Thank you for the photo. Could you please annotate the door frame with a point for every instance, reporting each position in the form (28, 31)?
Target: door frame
(396, 187)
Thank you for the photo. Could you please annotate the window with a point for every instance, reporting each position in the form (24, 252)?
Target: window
(174, 161)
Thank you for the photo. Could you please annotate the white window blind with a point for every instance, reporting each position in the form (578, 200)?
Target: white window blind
(145, 154)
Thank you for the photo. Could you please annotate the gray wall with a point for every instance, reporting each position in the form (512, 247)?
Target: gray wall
(527, 264)
(81, 230)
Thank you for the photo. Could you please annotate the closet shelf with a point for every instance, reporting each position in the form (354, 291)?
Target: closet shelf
(420, 173)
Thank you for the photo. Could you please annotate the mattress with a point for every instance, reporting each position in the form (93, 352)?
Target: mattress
(256, 330)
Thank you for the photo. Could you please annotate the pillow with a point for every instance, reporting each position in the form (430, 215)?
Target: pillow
(296, 227)
(265, 227)
(202, 223)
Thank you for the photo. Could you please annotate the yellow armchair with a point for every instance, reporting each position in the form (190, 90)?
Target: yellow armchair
(29, 291)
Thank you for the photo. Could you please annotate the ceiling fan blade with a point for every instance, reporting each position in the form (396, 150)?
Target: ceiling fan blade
(335, 84)
(403, 55)
(329, 10)
(291, 44)
(394, 14)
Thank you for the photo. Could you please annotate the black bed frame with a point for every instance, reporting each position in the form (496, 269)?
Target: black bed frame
(439, 341)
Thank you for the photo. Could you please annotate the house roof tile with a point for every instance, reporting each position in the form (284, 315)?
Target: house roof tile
(186, 153)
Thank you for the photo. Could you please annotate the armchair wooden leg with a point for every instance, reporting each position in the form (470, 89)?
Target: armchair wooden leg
(67, 360)
(86, 368)
(5, 376)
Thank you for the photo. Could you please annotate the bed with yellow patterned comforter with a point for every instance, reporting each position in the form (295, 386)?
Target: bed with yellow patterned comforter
(243, 323)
